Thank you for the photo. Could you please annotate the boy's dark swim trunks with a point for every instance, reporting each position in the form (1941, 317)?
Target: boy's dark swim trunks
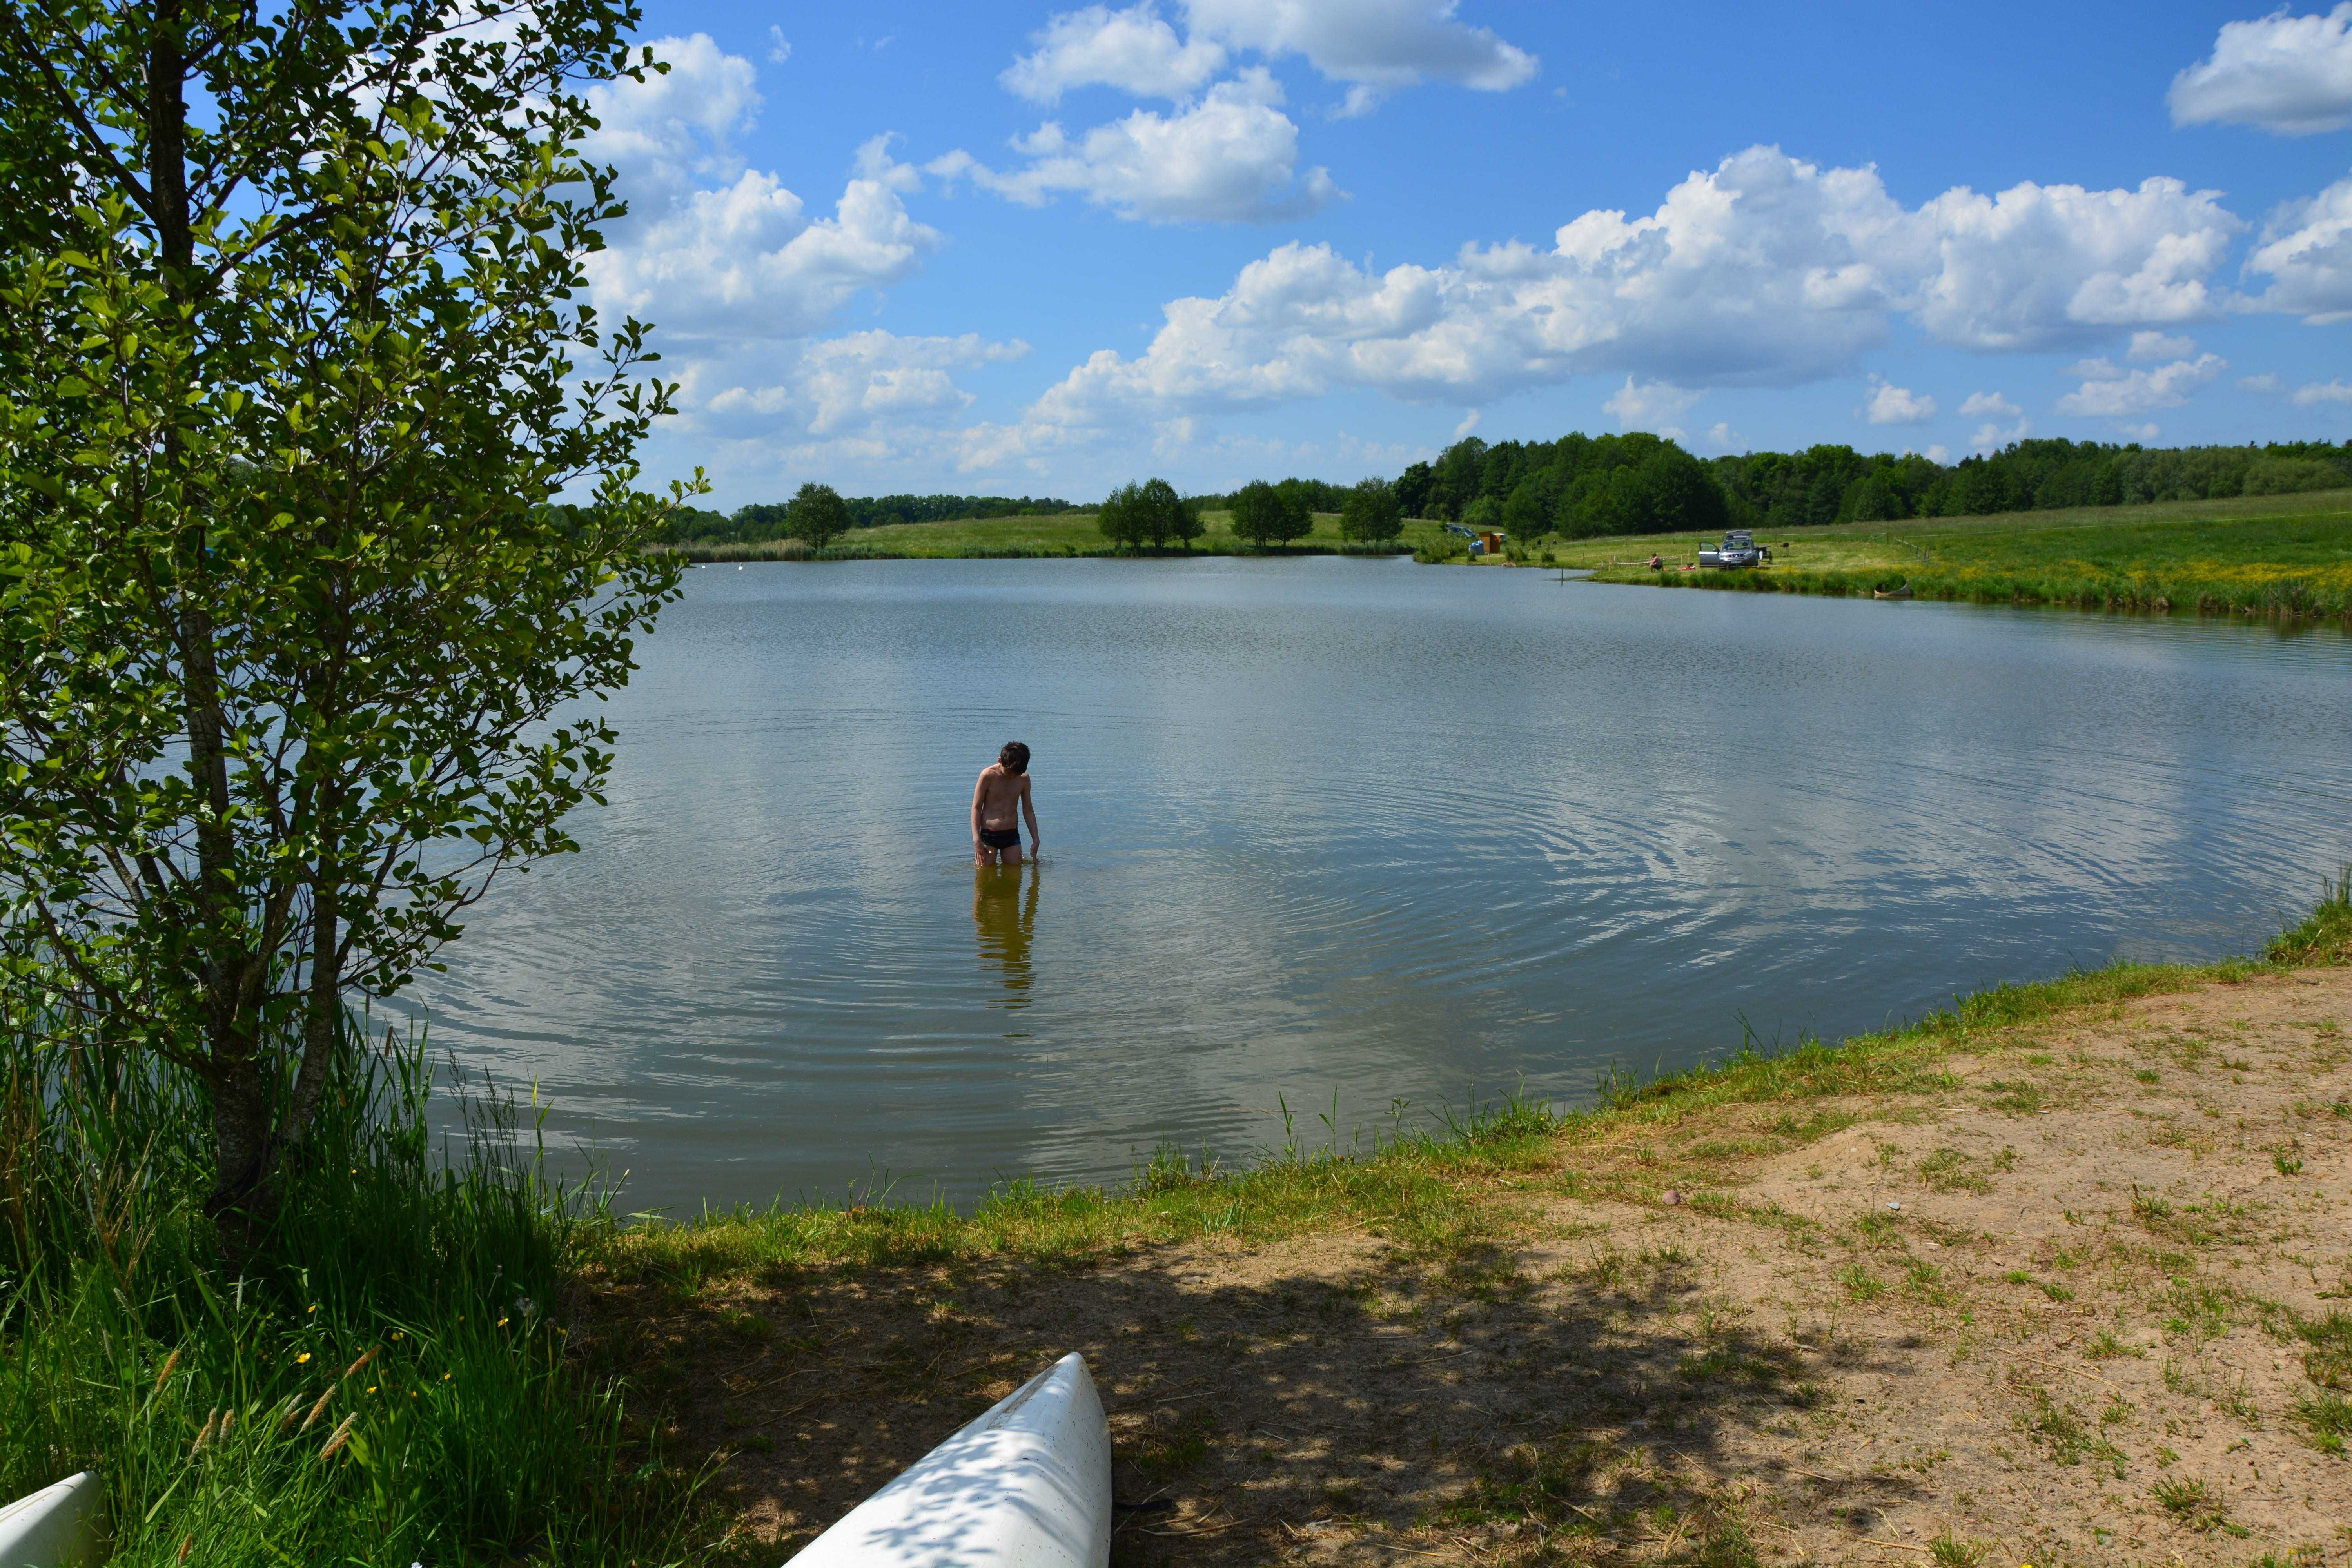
(1001, 838)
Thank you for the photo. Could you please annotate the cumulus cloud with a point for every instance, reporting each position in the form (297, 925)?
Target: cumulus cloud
(2282, 73)
(850, 383)
(1133, 51)
(1991, 408)
(2305, 249)
(1765, 270)
(2156, 345)
(2040, 265)
(1378, 45)
(779, 49)
(2110, 392)
(1652, 405)
(712, 248)
(2266, 381)
(1891, 404)
(1230, 156)
(2322, 391)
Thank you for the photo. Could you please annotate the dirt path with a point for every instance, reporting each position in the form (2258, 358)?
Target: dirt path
(2067, 1301)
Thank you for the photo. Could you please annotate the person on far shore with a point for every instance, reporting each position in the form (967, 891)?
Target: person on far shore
(1003, 790)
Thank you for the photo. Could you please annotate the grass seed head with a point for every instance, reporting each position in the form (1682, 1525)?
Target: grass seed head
(341, 1433)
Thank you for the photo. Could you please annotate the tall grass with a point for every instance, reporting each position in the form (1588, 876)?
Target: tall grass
(386, 1379)
(2270, 591)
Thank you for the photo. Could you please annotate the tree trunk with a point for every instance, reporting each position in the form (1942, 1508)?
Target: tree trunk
(241, 1200)
(323, 1019)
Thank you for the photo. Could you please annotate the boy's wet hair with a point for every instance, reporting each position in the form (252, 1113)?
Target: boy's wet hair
(1016, 757)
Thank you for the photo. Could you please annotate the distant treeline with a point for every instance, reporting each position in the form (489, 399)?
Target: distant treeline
(764, 521)
(1581, 486)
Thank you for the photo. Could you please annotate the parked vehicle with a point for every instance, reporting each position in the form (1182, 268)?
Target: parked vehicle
(1738, 549)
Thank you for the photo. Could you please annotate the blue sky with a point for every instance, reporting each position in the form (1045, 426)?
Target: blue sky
(1023, 249)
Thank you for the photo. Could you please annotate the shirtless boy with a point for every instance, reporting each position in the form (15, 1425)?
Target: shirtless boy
(1004, 787)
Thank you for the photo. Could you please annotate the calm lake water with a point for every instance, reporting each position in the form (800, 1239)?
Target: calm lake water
(1342, 827)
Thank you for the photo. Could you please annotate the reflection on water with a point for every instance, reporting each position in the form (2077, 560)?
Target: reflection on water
(1004, 914)
(1342, 825)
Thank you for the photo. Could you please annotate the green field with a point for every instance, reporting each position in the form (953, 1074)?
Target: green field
(2256, 554)
(1065, 534)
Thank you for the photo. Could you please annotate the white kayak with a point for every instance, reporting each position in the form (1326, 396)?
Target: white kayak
(1027, 1485)
(63, 1526)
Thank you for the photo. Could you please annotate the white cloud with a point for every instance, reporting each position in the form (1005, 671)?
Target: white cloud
(1725, 436)
(1469, 423)
(1652, 405)
(1765, 270)
(2322, 391)
(1938, 454)
(713, 248)
(2043, 266)
(2287, 74)
(2156, 345)
(849, 384)
(2141, 433)
(2266, 381)
(664, 131)
(1232, 156)
(1891, 404)
(1378, 45)
(1133, 51)
(1992, 408)
(779, 49)
(2305, 249)
(2110, 392)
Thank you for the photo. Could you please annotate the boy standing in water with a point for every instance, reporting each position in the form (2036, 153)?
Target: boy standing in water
(1004, 787)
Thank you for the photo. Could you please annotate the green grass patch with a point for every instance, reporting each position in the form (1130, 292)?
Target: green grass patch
(1061, 534)
(2269, 556)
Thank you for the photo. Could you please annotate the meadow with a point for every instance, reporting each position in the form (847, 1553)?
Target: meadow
(1064, 534)
(2255, 555)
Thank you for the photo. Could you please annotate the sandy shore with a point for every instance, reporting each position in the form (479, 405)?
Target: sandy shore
(2063, 1297)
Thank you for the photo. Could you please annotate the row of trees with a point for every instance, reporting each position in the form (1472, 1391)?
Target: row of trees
(1581, 486)
(776, 519)
(1152, 513)
(1578, 486)
(1637, 483)
(1837, 484)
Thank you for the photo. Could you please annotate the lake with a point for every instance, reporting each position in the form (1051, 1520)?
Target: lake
(1344, 830)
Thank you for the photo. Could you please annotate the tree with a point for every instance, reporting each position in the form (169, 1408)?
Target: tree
(1165, 515)
(1121, 517)
(1264, 515)
(817, 513)
(1370, 512)
(292, 361)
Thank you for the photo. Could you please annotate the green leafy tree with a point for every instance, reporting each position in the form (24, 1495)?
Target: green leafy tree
(1370, 512)
(1165, 515)
(1527, 511)
(293, 358)
(817, 514)
(1122, 519)
(1264, 515)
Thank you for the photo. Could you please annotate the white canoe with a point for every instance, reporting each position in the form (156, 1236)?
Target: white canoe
(1027, 1485)
(63, 1526)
